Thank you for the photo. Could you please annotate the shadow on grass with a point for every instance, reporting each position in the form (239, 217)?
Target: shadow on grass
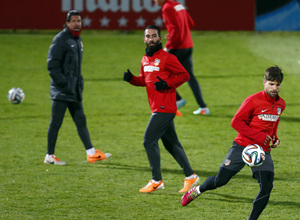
(201, 173)
(239, 199)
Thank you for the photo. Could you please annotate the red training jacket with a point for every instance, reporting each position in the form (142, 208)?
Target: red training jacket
(168, 68)
(257, 117)
(178, 23)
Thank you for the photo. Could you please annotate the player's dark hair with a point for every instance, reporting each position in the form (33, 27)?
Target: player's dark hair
(274, 73)
(71, 13)
(153, 27)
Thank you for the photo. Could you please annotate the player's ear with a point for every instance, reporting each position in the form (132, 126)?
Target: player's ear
(264, 82)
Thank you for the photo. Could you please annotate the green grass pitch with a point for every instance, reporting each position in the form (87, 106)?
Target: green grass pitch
(229, 67)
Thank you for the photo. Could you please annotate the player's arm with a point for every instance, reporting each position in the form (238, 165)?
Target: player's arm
(275, 140)
(174, 32)
(173, 66)
(190, 21)
(55, 64)
(240, 122)
(134, 80)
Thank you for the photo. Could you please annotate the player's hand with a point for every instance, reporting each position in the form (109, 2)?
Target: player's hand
(167, 36)
(267, 140)
(274, 145)
(161, 85)
(127, 76)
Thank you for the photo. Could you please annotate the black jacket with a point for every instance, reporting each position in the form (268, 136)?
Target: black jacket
(64, 66)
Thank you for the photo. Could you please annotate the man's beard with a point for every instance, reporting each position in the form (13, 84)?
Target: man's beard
(154, 46)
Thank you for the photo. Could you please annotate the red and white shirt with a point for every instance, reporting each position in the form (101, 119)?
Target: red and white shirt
(257, 117)
(168, 68)
(178, 23)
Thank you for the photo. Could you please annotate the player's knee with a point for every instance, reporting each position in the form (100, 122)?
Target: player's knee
(146, 142)
(224, 176)
(221, 181)
(266, 187)
(55, 125)
(80, 122)
(265, 179)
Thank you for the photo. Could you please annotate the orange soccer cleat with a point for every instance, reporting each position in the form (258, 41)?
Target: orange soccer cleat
(98, 156)
(152, 186)
(190, 183)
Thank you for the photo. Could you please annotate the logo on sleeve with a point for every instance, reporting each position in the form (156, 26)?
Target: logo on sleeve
(227, 162)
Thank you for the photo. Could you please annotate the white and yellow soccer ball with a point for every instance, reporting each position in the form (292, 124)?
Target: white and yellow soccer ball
(253, 155)
(16, 95)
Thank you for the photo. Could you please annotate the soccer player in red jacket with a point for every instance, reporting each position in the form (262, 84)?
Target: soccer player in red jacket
(179, 42)
(256, 122)
(161, 73)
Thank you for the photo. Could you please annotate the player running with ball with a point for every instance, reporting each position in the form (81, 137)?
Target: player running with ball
(256, 122)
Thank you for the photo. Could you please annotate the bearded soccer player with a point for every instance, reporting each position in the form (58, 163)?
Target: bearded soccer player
(256, 122)
(161, 73)
(179, 42)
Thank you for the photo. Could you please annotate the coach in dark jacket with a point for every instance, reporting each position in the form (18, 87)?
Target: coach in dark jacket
(66, 87)
(64, 66)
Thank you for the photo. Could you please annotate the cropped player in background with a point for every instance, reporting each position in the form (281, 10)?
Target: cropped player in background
(161, 73)
(66, 87)
(256, 122)
(179, 42)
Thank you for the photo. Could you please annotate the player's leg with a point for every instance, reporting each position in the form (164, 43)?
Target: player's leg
(213, 182)
(210, 183)
(58, 109)
(230, 166)
(265, 180)
(174, 147)
(264, 175)
(187, 63)
(156, 127)
(180, 102)
(79, 118)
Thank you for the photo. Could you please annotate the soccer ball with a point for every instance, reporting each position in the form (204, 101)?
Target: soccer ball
(16, 95)
(253, 155)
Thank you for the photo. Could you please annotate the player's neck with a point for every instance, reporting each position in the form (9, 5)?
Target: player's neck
(75, 33)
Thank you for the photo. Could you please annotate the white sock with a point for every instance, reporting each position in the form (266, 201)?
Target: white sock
(191, 176)
(156, 182)
(91, 151)
(198, 190)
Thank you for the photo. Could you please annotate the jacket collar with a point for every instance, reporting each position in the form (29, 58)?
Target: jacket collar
(270, 99)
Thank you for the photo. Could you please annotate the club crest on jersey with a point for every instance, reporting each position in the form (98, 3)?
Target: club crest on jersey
(156, 62)
(227, 162)
(278, 110)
